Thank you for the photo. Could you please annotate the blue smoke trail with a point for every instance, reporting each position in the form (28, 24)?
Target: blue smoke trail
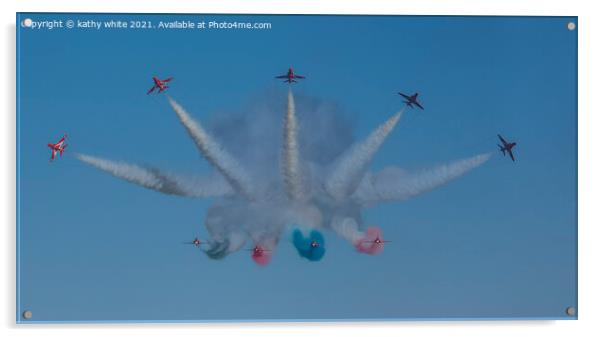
(304, 245)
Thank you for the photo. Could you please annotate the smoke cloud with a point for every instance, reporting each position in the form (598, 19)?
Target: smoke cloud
(306, 172)
(310, 247)
(214, 153)
(368, 244)
(261, 256)
(291, 170)
(396, 184)
(348, 170)
(154, 179)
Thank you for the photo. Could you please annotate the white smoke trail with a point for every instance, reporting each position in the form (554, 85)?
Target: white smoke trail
(395, 184)
(346, 175)
(215, 153)
(230, 222)
(154, 179)
(233, 222)
(347, 228)
(291, 167)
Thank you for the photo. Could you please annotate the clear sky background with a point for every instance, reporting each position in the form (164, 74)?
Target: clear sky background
(498, 243)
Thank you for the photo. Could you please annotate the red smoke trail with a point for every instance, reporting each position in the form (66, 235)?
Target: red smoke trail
(367, 244)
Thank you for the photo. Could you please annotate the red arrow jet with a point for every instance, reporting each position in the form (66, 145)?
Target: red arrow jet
(258, 251)
(59, 147)
(159, 84)
(260, 255)
(196, 242)
(290, 76)
(411, 100)
(506, 147)
(377, 241)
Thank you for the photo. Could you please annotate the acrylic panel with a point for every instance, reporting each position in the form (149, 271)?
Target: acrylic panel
(207, 167)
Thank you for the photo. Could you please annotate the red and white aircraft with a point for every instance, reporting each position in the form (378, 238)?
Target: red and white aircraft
(196, 242)
(506, 147)
(290, 76)
(411, 100)
(260, 255)
(377, 241)
(159, 84)
(59, 147)
(258, 251)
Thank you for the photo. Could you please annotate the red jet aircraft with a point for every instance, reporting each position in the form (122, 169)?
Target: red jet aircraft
(377, 241)
(258, 251)
(411, 100)
(196, 242)
(506, 147)
(159, 84)
(59, 147)
(290, 76)
(260, 255)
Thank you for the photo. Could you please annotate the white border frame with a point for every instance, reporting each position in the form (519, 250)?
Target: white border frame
(589, 163)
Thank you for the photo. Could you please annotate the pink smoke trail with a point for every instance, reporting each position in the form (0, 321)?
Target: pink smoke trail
(368, 244)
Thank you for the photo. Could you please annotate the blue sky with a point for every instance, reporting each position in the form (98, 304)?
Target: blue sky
(498, 243)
